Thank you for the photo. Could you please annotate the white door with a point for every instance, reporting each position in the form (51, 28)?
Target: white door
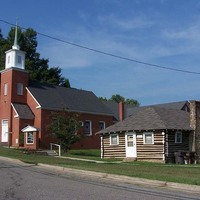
(130, 139)
(4, 131)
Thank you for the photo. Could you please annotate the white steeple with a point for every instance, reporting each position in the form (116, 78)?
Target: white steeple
(15, 57)
(16, 46)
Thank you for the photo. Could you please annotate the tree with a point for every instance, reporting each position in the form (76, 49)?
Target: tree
(3, 47)
(37, 67)
(118, 98)
(64, 127)
(66, 83)
(132, 102)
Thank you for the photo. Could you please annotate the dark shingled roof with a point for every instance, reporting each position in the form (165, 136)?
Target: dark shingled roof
(180, 105)
(57, 97)
(153, 118)
(23, 111)
(114, 108)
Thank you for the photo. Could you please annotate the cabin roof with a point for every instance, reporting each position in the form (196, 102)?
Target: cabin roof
(152, 118)
(180, 105)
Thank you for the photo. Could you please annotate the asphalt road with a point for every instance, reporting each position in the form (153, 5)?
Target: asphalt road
(19, 181)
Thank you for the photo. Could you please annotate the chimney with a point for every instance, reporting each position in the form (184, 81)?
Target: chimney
(195, 124)
(121, 111)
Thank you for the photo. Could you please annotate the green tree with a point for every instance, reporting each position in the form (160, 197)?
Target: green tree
(64, 127)
(3, 47)
(103, 98)
(66, 83)
(132, 102)
(118, 98)
(38, 68)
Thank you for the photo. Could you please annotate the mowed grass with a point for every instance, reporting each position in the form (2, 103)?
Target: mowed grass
(188, 174)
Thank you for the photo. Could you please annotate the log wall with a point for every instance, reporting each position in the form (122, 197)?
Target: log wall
(162, 150)
(150, 152)
(171, 147)
(114, 151)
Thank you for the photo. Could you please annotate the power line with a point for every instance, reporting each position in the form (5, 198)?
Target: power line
(107, 53)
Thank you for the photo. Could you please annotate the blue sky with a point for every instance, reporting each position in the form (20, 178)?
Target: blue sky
(161, 32)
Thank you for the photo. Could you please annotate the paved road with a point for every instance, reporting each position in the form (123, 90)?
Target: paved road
(20, 181)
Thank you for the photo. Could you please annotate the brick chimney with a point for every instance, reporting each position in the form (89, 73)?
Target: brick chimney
(195, 124)
(121, 111)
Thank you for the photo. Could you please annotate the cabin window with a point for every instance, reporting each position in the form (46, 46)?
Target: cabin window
(178, 137)
(102, 125)
(148, 138)
(19, 88)
(88, 127)
(29, 138)
(114, 139)
(5, 88)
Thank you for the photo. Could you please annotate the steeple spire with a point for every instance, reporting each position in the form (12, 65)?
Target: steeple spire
(16, 46)
(14, 57)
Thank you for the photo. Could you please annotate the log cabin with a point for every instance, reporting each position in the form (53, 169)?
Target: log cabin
(153, 133)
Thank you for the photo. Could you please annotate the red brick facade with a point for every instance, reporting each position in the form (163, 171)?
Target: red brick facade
(11, 78)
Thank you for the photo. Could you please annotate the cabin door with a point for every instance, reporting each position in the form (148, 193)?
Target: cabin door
(131, 151)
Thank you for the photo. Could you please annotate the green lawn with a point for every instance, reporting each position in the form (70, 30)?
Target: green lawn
(188, 174)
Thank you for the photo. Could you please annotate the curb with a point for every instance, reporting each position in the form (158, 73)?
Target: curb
(126, 179)
(118, 178)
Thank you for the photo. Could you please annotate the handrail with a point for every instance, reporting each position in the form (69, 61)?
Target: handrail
(59, 148)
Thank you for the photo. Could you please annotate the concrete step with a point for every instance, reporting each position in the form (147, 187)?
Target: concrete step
(51, 153)
(47, 152)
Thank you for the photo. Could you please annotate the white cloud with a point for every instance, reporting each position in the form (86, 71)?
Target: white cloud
(122, 24)
(188, 32)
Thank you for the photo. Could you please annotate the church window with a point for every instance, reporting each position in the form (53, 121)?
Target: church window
(5, 88)
(20, 89)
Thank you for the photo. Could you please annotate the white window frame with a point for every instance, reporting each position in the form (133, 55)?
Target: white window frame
(90, 124)
(145, 135)
(117, 139)
(6, 89)
(176, 137)
(104, 124)
(27, 141)
(20, 88)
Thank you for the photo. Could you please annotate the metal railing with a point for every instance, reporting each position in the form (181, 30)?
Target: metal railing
(59, 148)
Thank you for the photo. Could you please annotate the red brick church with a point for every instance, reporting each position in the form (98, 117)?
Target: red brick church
(26, 106)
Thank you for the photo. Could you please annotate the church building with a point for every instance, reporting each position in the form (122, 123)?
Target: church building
(26, 107)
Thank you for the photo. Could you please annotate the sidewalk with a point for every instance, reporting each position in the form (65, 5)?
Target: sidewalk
(94, 161)
(117, 178)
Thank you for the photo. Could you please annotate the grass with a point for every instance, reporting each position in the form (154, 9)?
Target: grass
(93, 154)
(188, 174)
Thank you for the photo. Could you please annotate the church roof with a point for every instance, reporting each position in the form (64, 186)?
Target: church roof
(54, 97)
(23, 111)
